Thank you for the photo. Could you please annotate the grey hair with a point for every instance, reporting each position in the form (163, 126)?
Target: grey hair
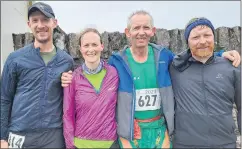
(140, 12)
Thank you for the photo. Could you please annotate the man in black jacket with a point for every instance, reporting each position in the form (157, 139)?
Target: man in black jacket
(205, 88)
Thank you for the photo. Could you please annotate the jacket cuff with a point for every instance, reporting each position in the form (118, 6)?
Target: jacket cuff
(4, 135)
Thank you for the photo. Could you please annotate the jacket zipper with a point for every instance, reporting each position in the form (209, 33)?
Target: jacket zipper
(43, 91)
(206, 103)
(45, 79)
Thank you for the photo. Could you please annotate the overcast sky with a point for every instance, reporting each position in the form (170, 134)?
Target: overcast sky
(111, 16)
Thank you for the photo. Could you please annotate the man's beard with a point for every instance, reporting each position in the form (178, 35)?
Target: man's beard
(203, 53)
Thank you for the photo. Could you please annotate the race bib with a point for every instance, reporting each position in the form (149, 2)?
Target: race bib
(15, 141)
(147, 99)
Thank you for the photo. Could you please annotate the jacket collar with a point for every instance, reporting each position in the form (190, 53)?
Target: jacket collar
(38, 49)
(183, 60)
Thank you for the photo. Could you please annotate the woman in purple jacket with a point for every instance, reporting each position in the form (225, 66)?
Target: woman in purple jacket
(90, 100)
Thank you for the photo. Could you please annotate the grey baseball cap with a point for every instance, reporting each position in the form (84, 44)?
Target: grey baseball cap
(42, 7)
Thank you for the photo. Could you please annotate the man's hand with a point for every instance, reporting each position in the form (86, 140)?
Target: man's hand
(4, 144)
(233, 56)
(66, 78)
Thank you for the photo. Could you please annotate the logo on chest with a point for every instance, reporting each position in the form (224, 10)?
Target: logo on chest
(219, 76)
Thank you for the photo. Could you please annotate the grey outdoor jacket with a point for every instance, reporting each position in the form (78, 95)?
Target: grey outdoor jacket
(204, 97)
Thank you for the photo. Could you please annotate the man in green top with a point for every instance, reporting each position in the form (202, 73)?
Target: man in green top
(149, 125)
(142, 80)
(144, 76)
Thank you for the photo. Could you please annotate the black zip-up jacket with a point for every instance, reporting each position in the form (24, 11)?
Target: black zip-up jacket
(204, 97)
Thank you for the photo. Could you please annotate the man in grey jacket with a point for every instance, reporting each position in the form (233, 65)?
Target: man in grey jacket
(205, 87)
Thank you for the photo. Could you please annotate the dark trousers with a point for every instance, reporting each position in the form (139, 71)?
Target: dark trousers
(47, 138)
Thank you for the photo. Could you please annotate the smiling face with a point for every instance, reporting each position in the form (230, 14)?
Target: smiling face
(201, 41)
(140, 31)
(91, 47)
(41, 26)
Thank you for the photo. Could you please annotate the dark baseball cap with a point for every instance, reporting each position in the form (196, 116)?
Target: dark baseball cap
(42, 7)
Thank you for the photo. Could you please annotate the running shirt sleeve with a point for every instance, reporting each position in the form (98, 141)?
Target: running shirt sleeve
(69, 114)
(8, 88)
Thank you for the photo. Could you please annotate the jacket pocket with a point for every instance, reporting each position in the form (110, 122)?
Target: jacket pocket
(222, 124)
(222, 129)
(190, 128)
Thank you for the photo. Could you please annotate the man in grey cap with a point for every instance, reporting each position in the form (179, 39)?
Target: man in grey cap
(31, 92)
(205, 88)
